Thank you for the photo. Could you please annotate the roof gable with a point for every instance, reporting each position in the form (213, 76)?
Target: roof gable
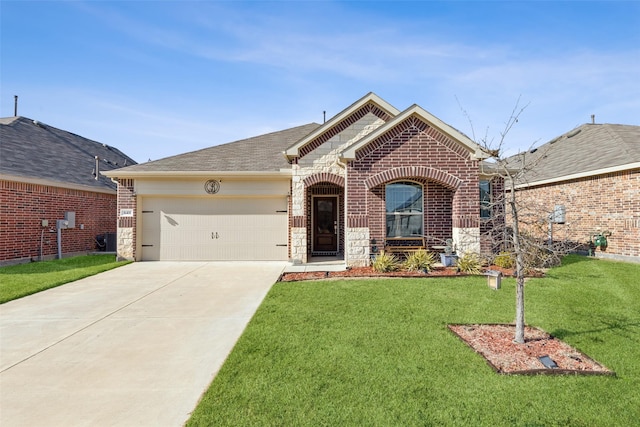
(589, 149)
(31, 150)
(415, 112)
(368, 103)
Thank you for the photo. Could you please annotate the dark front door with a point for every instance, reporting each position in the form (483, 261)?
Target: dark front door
(325, 224)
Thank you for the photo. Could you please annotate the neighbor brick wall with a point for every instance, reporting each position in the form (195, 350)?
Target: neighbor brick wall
(414, 143)
(23, 206)
(604, 202)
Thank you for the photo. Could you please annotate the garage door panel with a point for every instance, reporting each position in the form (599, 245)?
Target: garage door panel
(222, 229)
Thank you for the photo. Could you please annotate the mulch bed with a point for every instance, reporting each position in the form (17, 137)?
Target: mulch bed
(360, 272)
(495, 343)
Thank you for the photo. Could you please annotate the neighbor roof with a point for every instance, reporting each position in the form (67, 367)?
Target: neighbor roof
(262, 153)
(31, 151)
(590, 149)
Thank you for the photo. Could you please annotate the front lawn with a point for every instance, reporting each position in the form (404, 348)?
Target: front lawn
(17, 281)
(378, 352)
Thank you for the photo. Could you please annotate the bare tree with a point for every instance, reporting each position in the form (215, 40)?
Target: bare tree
(516, 224)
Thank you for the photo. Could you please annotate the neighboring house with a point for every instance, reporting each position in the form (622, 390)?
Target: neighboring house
(46, 172)
(594, 172)
(370, 175)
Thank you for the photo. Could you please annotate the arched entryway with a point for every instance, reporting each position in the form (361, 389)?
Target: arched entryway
(325, 219)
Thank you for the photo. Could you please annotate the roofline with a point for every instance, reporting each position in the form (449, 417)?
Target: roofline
(283, 173)
(294, 150)
(478, 152)
(50, 183)
(603, 171)
(487, 170)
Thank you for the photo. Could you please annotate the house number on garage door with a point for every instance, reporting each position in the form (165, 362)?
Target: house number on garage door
(215, 235)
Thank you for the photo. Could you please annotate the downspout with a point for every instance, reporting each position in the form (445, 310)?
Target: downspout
(59, 242)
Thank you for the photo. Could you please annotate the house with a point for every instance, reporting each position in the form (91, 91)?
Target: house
(593, 174)
(369, 177)
(49, 175)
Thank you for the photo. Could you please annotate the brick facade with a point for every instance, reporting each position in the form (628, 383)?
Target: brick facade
(416, 152)
(24, 206)
(412, 150)
(352, 158)
(609, 202)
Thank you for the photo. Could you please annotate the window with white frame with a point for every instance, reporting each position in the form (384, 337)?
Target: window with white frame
(404, 209)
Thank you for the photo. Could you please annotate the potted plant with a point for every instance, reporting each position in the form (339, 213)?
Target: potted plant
(449, 258)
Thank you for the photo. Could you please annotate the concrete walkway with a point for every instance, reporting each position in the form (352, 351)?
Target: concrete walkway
(134, 346)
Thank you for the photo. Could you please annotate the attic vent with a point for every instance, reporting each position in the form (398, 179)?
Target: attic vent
(533, 150)
(554, 140)
(573, 133)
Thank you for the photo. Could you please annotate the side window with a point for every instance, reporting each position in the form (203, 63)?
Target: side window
(404, 209)
(485, 199)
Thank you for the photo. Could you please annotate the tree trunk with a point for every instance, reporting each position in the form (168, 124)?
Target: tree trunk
(519, 336)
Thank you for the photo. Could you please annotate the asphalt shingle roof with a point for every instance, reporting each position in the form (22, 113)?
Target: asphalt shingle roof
(35, 150)
(257, 154)
(587, 148)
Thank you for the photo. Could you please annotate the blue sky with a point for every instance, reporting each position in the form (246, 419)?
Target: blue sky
(159, 78)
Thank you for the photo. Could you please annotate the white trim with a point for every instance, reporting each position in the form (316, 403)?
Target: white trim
(398, 181)
(294, 150)
(283, 173)
(57, 184)
(603, 171)
(475, 149)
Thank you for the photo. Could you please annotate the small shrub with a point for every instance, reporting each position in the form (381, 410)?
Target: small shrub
(420, 260)
(384, 262)
(535, 257)
(505, 260)
(469, 263)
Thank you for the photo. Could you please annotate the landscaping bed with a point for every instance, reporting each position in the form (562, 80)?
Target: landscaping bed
(359, 272)
(495, 343)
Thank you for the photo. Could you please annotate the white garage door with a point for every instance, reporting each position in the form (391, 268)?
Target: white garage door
(207, 229)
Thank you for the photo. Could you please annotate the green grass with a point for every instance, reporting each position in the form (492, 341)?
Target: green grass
(17, 281)
(378, 353)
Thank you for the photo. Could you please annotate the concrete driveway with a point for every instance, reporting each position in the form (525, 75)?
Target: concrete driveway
(134, 346)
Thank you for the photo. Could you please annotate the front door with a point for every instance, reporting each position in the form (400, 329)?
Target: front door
(325, 224)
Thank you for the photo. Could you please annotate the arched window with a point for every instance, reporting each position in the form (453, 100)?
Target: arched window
(404, 206)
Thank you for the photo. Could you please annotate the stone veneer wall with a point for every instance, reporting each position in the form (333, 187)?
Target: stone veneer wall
(25, 205)
(358, 251)
(609, 202)
(322, 160)
(127, 225)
